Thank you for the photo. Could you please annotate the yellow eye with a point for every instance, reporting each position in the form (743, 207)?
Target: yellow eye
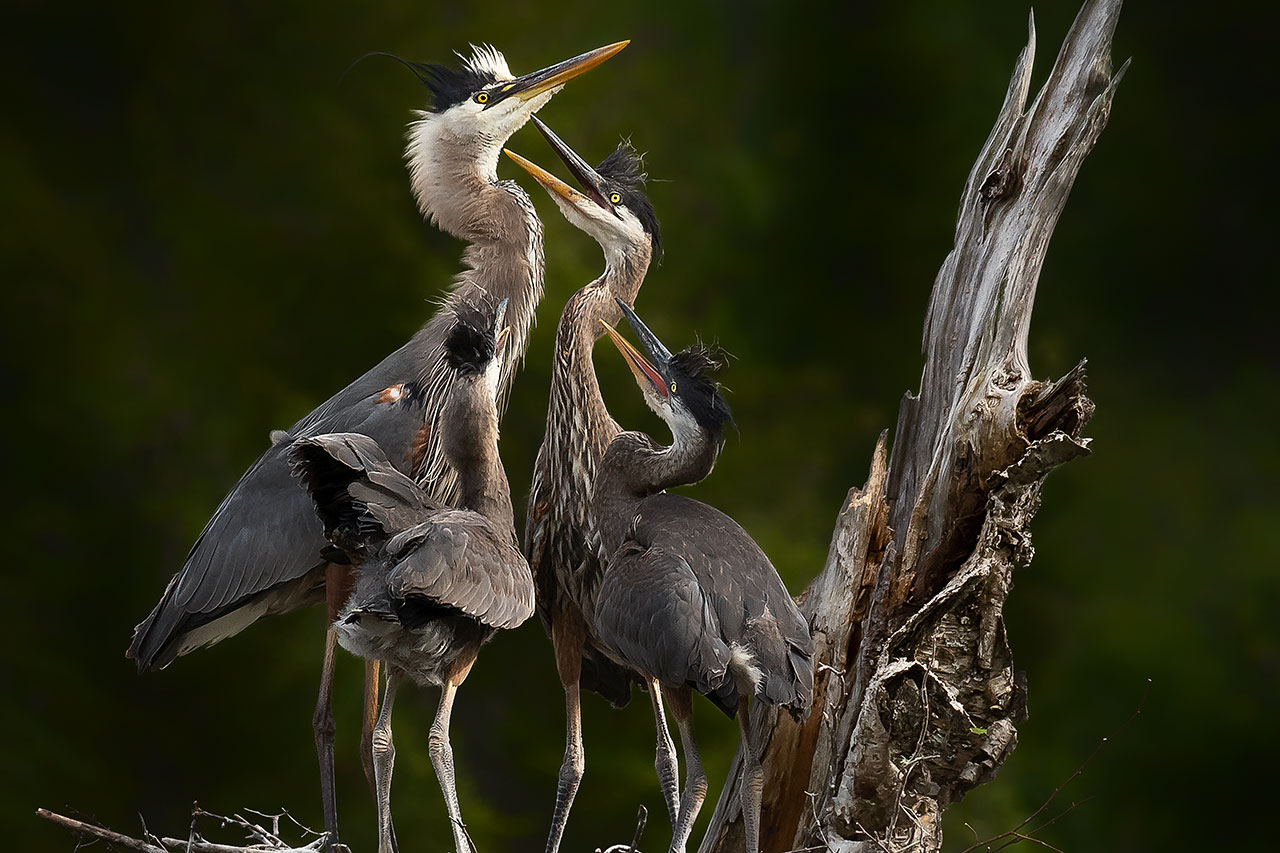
(616, 199)
(482, 98)
(673, 387)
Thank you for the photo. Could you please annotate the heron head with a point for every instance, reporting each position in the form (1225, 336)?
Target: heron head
(478, 104)
(612, 205)
(680, 388)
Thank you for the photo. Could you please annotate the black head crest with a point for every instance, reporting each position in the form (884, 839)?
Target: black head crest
(623, 172)
(470, 344)
(693, 370)
(449, 86)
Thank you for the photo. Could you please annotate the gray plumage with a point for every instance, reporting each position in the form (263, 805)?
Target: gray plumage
(264, 551)
(433, 580)
(688, 600)
(566, 567)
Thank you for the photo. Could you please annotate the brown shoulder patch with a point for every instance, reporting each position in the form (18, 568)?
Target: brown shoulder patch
(392, 394)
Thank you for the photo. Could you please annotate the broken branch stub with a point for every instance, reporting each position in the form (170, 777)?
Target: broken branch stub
(916, 695)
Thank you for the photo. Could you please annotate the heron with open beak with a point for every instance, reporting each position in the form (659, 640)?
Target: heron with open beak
(688, 599)
(610, 204)
(264, 550)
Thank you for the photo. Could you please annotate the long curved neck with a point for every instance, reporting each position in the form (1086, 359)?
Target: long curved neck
(455, 181)
(452, 174)
(471, 448)
(579, 426)
(456, 185)
(635, 467)
(483, 488)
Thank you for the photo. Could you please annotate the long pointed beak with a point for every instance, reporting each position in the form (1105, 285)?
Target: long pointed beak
(549, 182)
(588, 178)
(531, 85)
(500, 339)
(645, 373)
(657, 349)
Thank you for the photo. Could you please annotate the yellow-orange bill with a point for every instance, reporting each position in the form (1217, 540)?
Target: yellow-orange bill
(644, 372)
(549, 182)
(531, 85)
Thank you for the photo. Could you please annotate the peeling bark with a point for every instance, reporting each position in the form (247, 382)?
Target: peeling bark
(916, 694)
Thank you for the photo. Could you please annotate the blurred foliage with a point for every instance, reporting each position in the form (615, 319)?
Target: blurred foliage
(209, 233)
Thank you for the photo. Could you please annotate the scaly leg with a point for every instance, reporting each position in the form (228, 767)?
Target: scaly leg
(372, 677)
(664, 760)
(384, 762)
(338, 581)
(442, 756)
(695, 780)
(372, 674)
(567, 638)
(752, 780)
(322, 726)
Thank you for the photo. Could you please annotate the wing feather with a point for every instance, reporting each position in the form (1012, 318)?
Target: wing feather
(457, 559)
(652, 614)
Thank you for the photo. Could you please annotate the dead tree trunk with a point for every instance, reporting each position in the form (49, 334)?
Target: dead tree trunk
(916, 695)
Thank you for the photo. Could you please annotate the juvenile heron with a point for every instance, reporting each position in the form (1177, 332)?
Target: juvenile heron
(435, 582)
(264, 550)
(688, 599)
(612, 207)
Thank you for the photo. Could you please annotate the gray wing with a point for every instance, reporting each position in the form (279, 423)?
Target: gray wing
(264, 549)
(457, 559)
(361, 499)
(754, 609)
(652, 614)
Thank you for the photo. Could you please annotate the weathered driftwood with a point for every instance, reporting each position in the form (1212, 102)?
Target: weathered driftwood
(916, 696)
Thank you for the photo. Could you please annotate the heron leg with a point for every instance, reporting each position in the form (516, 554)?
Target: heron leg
(442, 754)
(568, 637)
(322, 727)
(372, 675)
(372, 679)
(338, 583)
(664, 760)
(752, 779)
(695, 780)
(384, 761)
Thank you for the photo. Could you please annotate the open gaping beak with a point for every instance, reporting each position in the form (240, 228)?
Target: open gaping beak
(588, 178)
(531, 85)
(647, 376)
(549, 182)
(657, 349)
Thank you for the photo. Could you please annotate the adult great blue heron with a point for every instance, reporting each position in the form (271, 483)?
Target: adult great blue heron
(435, 582)
(613, 208)
(264, 550)
(688, 599)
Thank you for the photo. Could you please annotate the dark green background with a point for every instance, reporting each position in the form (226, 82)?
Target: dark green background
(206, 235)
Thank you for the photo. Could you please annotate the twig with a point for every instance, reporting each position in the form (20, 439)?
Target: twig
(916, 757)
(1016, 834)
(642, 818)
(193, 843)
(81, 828)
